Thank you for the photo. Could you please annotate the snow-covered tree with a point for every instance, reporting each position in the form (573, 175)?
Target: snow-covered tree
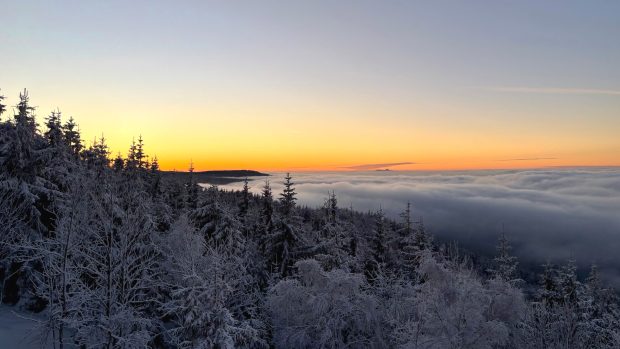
(192, 189)
(456, 310)
(217, 223)
(2, 106)
(266, 213)
(205, 282)
(120, 266)
(287, 197)
(244, 204)
(58, 279)
(318, 309)
(505, 264)
(377, 249)
(72, 137)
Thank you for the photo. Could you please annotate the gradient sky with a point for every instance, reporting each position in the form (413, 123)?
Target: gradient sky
(302, 85)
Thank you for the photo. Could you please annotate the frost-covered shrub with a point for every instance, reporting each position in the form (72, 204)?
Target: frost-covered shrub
(318, 309)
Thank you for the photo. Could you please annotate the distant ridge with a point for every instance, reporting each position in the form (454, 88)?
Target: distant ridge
(213, 177)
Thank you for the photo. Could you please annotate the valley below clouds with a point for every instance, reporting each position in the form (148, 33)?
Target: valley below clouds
(548, 214)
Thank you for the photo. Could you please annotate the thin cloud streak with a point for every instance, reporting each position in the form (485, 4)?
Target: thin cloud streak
(555, 90)
(377, 166)
(527, 159)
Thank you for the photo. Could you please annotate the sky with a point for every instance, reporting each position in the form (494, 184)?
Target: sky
(327, 85)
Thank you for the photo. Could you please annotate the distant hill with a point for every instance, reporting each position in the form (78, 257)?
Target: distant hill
(213, 177)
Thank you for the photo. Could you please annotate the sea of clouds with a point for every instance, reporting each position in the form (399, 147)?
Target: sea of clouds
(548, 215)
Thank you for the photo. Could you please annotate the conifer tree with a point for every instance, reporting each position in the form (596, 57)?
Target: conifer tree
(154, 165)
(131, 162)
(24, 118)
(244, 205)
(192, 189)
(18, 152)
(548, 287)
(267, 207)
(22, 165)
(155, 178)
(72, 137)
(593, 281)
(287, 197)
(2, 106)
(569, 285)
(118, 164)
(120, 262)
(410, 244)
(505, 265)
(54, 133)
(216, 223)
(285, 240)
(378, 241)
(377, 254)
(406, 221)
(422, 238)
(97, 155)
(139, 155)
(332, 208)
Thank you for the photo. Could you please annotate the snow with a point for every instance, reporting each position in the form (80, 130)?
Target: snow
(19, 329)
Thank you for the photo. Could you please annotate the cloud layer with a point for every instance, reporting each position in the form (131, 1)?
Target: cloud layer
(550, 214)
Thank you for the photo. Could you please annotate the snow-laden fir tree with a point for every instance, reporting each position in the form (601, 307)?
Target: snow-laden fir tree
(215, 221)
(2, 106)
(287, 197)
(192, 189)
(244, 205)
(72, 137)
(285, 242)
(377, 249)
(204, 284)
(504, 264)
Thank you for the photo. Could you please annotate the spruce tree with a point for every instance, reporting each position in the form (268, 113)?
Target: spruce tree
(422, 238)
(548, 292)
(54, 134)
(154, 165)
(24, 118)
(569, 285)
(118, 164)
(266, 216)
(97, 155)
(19, 151)
(2, 106)
(244, 205)
(72, 137)
(406, 221)
(408, 244)
(287, 197)
(192, 189)
(505, 265)
(139, 155)
(332, 207)
(377, 249)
